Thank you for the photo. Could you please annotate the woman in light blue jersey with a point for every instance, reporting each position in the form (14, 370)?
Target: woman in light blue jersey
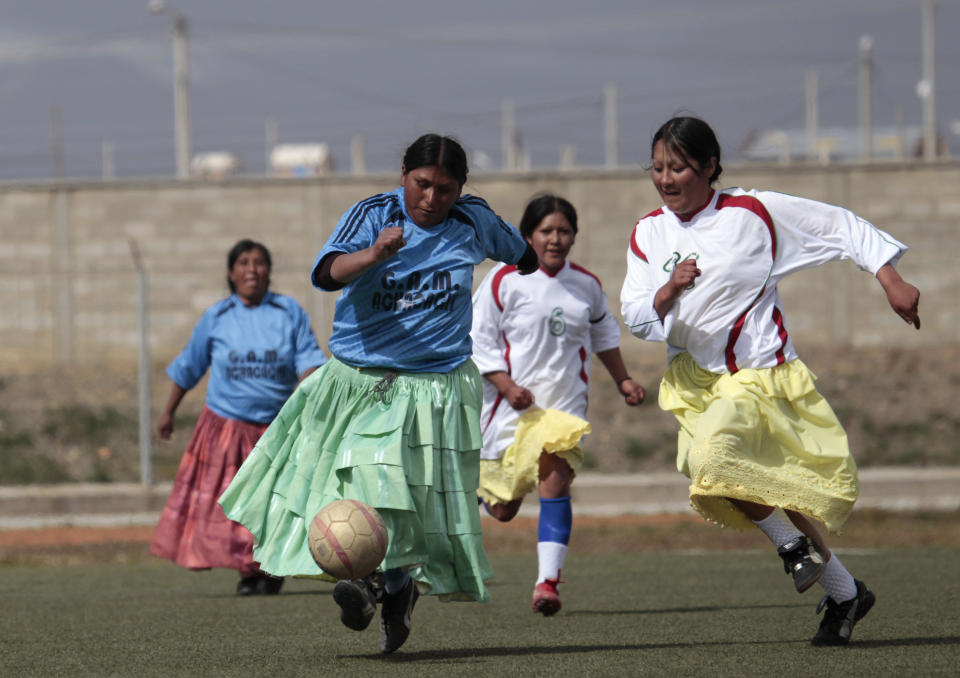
(256, 344)
(393, 420)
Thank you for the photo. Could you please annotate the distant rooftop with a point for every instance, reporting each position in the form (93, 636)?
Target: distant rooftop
(833, 144)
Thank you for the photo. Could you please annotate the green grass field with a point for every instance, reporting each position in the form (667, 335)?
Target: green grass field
(729, 613)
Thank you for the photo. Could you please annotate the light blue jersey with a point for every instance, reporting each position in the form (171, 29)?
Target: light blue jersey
(255, 356)
(413, 312)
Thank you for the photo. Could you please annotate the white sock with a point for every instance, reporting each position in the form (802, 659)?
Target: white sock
(778, 528)
(837, 582)
(550, 556)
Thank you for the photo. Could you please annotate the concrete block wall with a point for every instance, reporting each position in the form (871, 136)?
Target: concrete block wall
(70, 284)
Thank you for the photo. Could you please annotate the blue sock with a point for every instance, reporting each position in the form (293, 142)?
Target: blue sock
(556, 520)
(395, 580)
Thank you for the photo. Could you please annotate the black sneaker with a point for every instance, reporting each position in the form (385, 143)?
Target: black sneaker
(249, 586)
(395, 617)
(803, 561)
(837, 623)
(357, 601)
(269, 586)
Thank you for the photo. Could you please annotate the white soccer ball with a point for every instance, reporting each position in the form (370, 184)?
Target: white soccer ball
(347, 539)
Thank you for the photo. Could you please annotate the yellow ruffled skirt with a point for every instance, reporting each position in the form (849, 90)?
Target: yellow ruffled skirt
(517, 472)
(760, 435)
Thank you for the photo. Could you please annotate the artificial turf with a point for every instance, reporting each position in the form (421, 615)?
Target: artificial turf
(730, 613)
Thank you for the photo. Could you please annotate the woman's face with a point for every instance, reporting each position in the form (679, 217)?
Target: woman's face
(428, 194)
(551, 240)
(250, 275)
(683, 186)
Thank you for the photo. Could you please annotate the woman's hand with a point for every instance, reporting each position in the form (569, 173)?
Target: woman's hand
(345, 268)
(518, 397)
(904, 298)
(388, 243)
(631, 391)
(165, 426)
(682, 277)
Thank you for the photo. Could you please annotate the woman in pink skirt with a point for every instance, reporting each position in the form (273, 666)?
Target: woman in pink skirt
(257, 345)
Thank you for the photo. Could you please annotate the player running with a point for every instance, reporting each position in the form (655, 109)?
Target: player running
(392, 419)
(760, 445)
(533, 338)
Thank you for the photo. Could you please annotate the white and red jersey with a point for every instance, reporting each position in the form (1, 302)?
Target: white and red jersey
(541, 329)
(744, 242)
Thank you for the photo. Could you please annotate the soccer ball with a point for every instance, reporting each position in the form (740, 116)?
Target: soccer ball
(347, 539)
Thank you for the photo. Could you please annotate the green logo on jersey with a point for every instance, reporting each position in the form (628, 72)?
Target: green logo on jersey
(675, 259)
(556, 322)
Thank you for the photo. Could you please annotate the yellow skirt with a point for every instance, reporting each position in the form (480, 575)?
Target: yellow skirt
(763, 435)
(517, 472)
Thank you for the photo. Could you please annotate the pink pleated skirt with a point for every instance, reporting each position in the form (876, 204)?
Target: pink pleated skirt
(193, 531)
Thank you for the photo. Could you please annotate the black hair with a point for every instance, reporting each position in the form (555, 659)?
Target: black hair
(242, 246)
(542, 206)
(693, 139)
(433, 150)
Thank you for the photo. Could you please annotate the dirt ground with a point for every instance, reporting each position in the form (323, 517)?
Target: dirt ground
(898, 407)
(624, 534)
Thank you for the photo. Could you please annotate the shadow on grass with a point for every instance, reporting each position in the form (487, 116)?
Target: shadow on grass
(482, 652)
(907, 642)
(675, 610)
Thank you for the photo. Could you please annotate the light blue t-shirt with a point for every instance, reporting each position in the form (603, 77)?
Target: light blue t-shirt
(255, 356)
(413, 312)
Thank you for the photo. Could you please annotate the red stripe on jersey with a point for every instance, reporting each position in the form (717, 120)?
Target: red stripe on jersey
(748, 202)
(583, 364)
(731, 342)
(493, 411)
(496, 403)
(635, 248)
(781, 332)
(495, 286)
(581, 269)
(735, 334)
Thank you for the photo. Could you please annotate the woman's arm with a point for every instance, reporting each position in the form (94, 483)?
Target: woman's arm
(904, 298)
(165, 425)
(345, 268)
(518, 397)
(684, 274)
(631, 391)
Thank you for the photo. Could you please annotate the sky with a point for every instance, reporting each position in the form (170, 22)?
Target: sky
(389, 70)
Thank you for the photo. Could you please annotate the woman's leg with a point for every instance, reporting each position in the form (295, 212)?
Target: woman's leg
(804, 563)
(504, 512)
(831, 574)
(553, 531)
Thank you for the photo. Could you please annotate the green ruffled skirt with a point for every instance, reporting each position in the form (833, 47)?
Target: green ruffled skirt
(407, 444)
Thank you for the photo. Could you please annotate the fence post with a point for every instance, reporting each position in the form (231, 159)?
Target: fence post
(143, 367)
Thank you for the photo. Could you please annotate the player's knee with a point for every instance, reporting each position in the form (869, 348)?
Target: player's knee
(503, 512)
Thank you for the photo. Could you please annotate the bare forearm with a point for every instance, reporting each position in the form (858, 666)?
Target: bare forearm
(903, 297)
(631, 390)
(173, 400)
(663, 301)
(501, 380)
(348, 267)
(517, 396)
(612, 359)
